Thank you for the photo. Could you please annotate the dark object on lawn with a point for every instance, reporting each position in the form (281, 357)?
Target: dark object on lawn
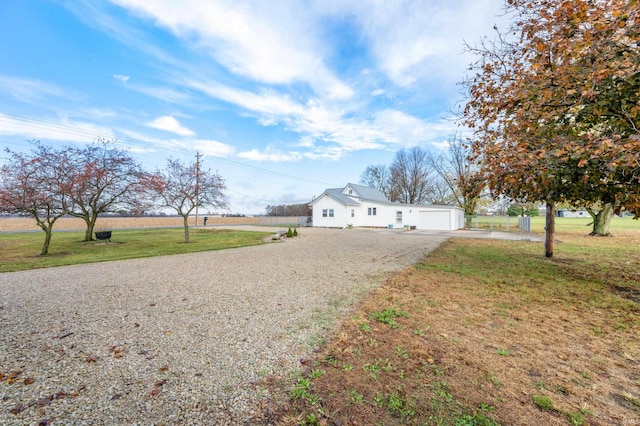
(103, 235)
(205, 220)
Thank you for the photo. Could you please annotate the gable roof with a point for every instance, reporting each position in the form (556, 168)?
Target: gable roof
(339, 196)
(367, 193)
(336, 194)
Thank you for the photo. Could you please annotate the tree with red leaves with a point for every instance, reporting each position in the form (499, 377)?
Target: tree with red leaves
(32, 184)
(105, 179)
(184, 187)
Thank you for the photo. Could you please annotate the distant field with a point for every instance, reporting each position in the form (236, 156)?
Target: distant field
(27, 224)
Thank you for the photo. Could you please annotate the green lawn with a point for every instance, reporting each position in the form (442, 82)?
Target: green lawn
(21, 251)
(505, 223)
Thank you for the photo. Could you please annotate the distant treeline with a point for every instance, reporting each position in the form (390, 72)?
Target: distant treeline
(289, 210)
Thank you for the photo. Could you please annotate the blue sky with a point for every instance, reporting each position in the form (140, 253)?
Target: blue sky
(282, 98)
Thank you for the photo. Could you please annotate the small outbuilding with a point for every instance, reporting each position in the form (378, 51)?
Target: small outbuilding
(361, 206)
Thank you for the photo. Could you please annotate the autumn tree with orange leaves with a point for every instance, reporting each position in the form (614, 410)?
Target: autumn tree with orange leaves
(555, 107)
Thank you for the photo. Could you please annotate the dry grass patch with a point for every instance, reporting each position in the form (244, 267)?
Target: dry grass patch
(487, 332)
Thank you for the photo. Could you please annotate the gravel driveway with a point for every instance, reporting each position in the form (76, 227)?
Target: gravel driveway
(180, 339)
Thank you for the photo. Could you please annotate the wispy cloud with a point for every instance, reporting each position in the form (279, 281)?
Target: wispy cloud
(166, 94)
(122, 78)
(53, 129)
(148, 143)
(170, 124)
(328, 130)
(413, 40)
(269, 42)
(29, 90)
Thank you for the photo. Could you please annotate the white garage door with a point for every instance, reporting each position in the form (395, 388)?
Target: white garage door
(435, 220)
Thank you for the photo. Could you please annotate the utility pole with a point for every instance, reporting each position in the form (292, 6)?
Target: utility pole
(198, 155)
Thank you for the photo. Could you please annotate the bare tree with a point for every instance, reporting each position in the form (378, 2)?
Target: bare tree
(377, 176)
(460, 175)
(105, 179)
(289, 210)
(33, 184)
(183, 187)
(411, 180)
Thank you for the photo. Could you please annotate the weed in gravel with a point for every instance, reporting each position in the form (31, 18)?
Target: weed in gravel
(316, 374)
(402, 352)
(372, 369)
(365, 327)
(355, 397)
(576, 418)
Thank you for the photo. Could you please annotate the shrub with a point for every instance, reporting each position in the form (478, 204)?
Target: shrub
(289, 233)
(295, 232)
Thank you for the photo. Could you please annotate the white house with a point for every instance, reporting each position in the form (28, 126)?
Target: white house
(356, 205)
(572, 213)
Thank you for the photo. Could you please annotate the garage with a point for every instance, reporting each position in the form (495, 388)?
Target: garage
(435, 220)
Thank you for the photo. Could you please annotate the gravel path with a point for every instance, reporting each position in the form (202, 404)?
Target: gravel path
(180, 339)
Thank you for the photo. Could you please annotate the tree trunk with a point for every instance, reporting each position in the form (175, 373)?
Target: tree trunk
(186, 228)
(468, 221)
(602, 220)
(47, 241)
(91, 224)
(550, 229)
(88, 233)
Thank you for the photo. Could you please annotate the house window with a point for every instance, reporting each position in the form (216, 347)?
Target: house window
(371, 211)
(351, 192)
(330, 212)
(324, 212)
(399, 217)
(353, 213)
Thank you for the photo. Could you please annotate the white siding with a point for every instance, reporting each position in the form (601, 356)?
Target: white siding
(339, 219)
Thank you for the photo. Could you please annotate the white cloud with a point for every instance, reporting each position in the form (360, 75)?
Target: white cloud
(170, 124)
(210, 147)
(151, 144)
(327, 130)
(122, 78)
(269, 155)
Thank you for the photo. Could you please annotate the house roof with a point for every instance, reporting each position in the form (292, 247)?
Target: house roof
(336, 193)
(360, 193)
(368, 194)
